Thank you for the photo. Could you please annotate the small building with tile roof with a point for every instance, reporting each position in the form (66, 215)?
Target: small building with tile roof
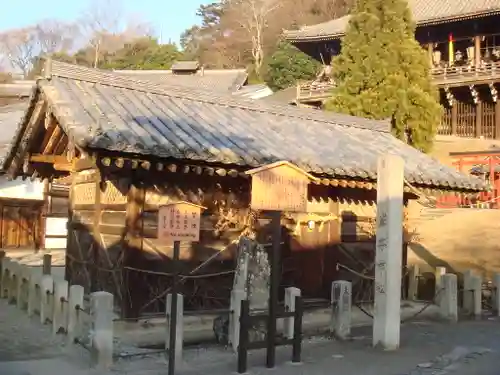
(130, 146)
(191, 74)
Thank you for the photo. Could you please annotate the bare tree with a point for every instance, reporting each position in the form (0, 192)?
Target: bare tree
(56, 36)
(20, 47)
(253, 17)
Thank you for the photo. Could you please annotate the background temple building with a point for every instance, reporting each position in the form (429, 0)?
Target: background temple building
(463, 42)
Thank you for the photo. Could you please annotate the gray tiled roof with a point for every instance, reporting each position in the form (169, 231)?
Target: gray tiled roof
(223, 80)
(10, 117)
(425, 12)
(101, 110)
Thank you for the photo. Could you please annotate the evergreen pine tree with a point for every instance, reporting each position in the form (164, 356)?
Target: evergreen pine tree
(383, 73)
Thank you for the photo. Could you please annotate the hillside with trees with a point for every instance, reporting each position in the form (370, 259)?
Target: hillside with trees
(230, 34)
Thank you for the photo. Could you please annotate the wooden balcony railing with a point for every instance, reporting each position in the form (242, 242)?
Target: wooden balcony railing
(466, 73)
(317, 91)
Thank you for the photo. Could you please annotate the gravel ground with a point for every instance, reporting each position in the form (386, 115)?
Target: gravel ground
(427, 348)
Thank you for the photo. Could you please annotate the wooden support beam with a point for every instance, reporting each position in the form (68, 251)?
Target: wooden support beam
(454, 119)
(51, 159)
(477, 50)
(52, 141)
(479, 118)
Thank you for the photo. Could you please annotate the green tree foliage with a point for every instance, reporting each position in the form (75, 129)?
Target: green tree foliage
(143, 53)
(287, 65)
(383, 73)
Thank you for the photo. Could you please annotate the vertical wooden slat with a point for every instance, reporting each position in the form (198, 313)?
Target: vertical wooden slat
(479, 118)
(454, 118)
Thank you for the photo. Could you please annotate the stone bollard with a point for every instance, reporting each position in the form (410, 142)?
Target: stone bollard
(14, 281)
(496, 293)
(468, 292)
(413, 280)
(477, 293)
(75, 304)
(21, 286)
(237, 295)
(179, 329)
(101, 314)
(33, 293)
(47, 264)
(60, 309)
(449, 300)
(6, 276)
(438, 288)
(341, 309)
(46, 293)
(290, 294)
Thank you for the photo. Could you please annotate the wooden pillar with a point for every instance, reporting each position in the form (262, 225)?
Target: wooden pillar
(133, 244)
(479, 118)
(477, 50)
(454, 118)
(497, 119)
(430, 52)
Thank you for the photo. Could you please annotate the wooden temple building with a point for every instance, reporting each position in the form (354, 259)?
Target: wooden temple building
(462, 38)
(131, 146)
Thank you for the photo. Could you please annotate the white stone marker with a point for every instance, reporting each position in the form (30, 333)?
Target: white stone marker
(449, 300)
(340, 325)
(75, 304)
(46, 290)
(413, 279)
(33, 293)
(389, 250)
(290, 294)
(438, 288)
(101, 314)
(496, 293)
(179, 329)
(477, 286)
(60, 310)
(237, 295)
(468, 292)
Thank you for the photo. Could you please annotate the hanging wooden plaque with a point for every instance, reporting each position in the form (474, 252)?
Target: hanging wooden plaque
(280, 186)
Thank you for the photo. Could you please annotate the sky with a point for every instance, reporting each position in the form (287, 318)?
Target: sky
(169, 20)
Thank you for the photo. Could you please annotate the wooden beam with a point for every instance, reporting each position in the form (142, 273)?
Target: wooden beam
(52, 141)
(477, 50)
(479, 118)
(51, 159)
(497, 119)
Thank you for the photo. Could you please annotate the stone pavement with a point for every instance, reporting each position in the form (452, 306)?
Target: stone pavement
(428, 348)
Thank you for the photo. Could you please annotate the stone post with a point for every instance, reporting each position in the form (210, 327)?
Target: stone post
(47, 264)
(413, 280)
(101, 314)
(290, 294)
(237, 295)
(449, 300)
(22, 286)
(6, 276)
(340, 325)
(388, 257)
(60, 310)
(496, 293)
(14, 281)
(33, 292)
(477, 288)
(179, 329)
(46, 294)
(75, 304)
(468, 294)
(438, 288)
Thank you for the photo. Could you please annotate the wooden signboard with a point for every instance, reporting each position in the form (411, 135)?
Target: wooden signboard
(179, 221)
(279, 186)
